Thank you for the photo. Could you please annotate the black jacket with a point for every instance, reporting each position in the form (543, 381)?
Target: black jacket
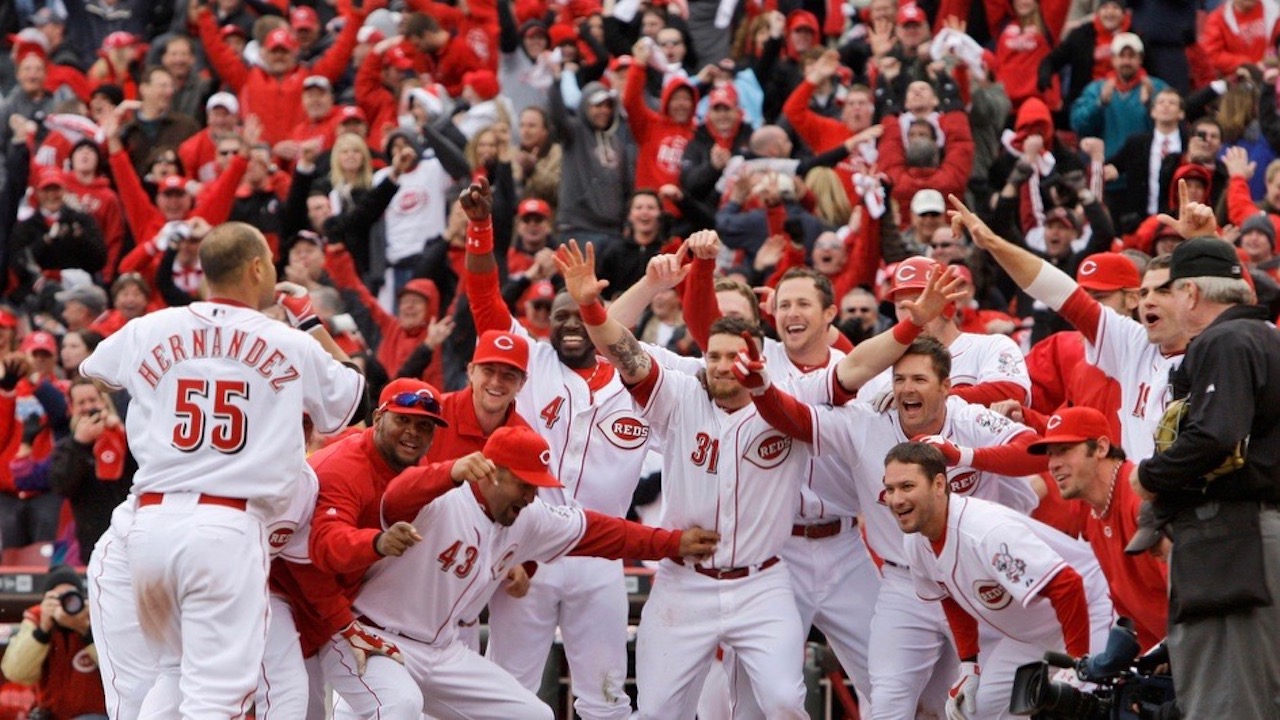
(72, 476)
(1075, 52)
(34, 247)
(1230, 378)
(1133, 162)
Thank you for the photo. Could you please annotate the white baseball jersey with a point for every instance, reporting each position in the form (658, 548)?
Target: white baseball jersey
(289, 533)
(217, 390)
(975, 359)
(994, 563)
(458, 564)
(418, 209)
(1123, 352)
(865, 437)
(727, 471)
(598, 440)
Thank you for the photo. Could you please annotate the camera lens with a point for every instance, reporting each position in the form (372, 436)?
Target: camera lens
(72, 602)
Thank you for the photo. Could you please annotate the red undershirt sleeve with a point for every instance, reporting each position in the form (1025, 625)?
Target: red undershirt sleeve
(786, 414)
(1012, 458)
(414, 489)
(618, 539)
(1066, 592)
(1084, 313)
(964, 628)
(991, 392)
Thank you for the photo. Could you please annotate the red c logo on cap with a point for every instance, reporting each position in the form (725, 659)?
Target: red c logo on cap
(504, 342)
(1088, 267)
(1054, 422)
(545, 457)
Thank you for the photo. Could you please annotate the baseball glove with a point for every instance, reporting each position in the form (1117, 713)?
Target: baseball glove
(1167, 432)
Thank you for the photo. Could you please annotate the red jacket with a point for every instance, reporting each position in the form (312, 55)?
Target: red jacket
(463, 436)
(1060, 376)
(398, 342)
(661, 140)
(822, 133)
(1019, 51)
(100, 201)
(277, 101)
(67, 693)
(951, 175)
(456, 59)
(353, 477)
(198, 154)
(378, 103)
(1227, 47)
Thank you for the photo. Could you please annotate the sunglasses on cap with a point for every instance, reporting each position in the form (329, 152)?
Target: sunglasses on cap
(420, 399)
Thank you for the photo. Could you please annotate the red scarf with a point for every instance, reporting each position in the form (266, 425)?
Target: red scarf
(1135, 81)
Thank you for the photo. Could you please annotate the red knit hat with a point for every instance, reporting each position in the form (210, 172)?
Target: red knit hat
(483, 82)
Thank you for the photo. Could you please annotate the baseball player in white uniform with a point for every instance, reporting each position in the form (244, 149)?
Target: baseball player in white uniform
(129, 668)
(722, 465)
(987, 455)
(1139, 355)
(598, 441)
(472, 535)
(984, 368)
(216, 387)
(834, 580)
(1030, 588)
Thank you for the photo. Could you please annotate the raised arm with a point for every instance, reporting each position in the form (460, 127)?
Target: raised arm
(664, 272)
(481, 277)
(613, 340)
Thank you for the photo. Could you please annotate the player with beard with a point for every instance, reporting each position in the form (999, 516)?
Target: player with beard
(598, 441)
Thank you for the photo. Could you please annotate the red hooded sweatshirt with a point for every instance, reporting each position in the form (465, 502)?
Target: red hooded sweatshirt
(98, 200)
(661, 140)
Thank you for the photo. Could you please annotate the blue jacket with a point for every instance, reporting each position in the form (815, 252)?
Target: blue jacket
(1114, 122)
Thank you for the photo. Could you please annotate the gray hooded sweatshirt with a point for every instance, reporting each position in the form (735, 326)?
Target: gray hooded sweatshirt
(598, 170)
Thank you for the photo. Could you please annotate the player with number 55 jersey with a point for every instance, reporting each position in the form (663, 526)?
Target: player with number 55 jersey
(217, 390)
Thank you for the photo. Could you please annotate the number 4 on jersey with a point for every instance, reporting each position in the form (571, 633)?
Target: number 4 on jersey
(551, 413)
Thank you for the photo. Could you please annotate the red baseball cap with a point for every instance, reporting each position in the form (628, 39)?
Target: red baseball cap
(397, 58)
(496, 346)
(912, 274)
(304, 17)
(802, 19)
(280, 38)
(410, 396)
(229, 30)
(523, 452)
(119, 40)
(483, 82)
(8, 319)
(347, 113)
(621, 62)
(723, 96)
(49, 177)
(1072, 425)
(420, 286)
(1107, 272)
(533, 206)
(910, 13)
(541, 290)
(173, 184)
(39, 341)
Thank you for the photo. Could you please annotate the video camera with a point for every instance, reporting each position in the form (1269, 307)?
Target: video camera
(1123, 681)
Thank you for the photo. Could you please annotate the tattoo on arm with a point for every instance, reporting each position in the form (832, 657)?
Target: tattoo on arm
(629, 357)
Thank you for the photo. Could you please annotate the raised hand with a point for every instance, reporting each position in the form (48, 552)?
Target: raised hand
(824, 67)
(943, 288)
(473, 468)
(749, 367)
(1194, 219)
(252, 134)
(704, 244)
(403, 162)
(1236, 160)
(962, 218)
(477, 200)
(579, 273)
(668, 269)
(298, 309)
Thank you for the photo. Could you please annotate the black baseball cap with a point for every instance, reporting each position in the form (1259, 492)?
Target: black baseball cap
(1151, 527)
(1204, 257)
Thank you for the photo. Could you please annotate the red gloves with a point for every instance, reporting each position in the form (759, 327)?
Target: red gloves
(296, 302)
(956, 455)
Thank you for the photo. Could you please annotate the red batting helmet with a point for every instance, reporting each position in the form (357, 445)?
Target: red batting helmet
(912, 274)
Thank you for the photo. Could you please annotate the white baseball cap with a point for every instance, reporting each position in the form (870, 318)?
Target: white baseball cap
(1126, 40)
(224, 100)
(927, 201)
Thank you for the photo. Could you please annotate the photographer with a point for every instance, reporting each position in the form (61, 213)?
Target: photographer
(92, 468)
(53, 650)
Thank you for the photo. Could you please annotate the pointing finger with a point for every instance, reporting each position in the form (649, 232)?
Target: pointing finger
(682, 252)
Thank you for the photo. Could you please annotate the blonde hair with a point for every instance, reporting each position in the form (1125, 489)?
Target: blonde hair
(337, 178)
(833, 206)
(472, 151)
(1237, 109)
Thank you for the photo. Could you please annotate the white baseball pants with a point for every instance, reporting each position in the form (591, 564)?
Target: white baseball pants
(386, 691)
(586, 598)
(127, 664)
(915, 661)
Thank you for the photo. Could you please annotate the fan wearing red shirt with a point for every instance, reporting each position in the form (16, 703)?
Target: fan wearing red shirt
(1086, 465)
(661, 136)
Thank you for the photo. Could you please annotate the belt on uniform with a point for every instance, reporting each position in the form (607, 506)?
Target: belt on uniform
(893, 564)
(821, 530)
(155, 498)
(731, 573)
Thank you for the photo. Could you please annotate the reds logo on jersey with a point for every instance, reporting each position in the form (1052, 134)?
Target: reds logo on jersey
(769, 450)
(961, 480)
(991, 594)
(280, 536)
(83, 661)
(624, 430)
(410, 199)
(500, 568)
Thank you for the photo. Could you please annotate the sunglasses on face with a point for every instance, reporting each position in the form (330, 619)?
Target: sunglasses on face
(409, 400)
(858, 310)
(942, 245)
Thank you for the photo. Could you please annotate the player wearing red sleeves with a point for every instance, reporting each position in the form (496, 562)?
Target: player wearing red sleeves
(1087, 466)
(471, 536)
(1026, 584)
(1140, 355)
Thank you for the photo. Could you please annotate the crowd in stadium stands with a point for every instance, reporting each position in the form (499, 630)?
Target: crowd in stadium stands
(812, 133)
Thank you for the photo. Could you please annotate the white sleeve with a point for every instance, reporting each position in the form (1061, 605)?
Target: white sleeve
(839, 431)
(107, 361)
(1022, 562)
(1118, 338)
(551, 531)
(1005, 363)
(670, 389)
(333, 391)
(673, 361)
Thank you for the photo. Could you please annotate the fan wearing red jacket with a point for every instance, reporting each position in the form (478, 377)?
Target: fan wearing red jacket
(273, 90)
(661, 136)
(379, 81)
(449, 56)
(1238, 33)
(822, 133)
(909, 156)
(88, 190)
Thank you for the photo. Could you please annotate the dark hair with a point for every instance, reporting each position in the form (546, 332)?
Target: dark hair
(938, 354)
(145, 79)
(417, 23)
(228, 250)
(820, 281)
(101, 168)
(1114, 451)
(91, 338)
(160, 151)
(727, 285)
(927, 457)
(1182, 102)
(735, 326)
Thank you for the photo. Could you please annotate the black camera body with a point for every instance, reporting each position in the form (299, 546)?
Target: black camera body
(1123, 682)
(72, 602)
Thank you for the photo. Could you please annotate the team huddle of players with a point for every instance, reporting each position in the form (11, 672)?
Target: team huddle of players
(241, 573)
